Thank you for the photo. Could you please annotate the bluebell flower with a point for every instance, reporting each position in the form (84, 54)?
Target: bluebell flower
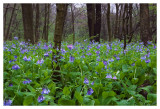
(85, 40)
(97, 52)
(46, 54)
(15, 56)
(41, 98)
(92, 83)
(154, 47)
(15, 67)
(115, 55)
(45, 47)
(115, 49)
(105, 62)
(149, 43)
(7, 102)
(15, 38)
(90, 91)
(40, 61)
(109, 76)
(71, 59)
(111, 60)
(89, 54)
(148, 60)
(133, 64)
(114, 77)
(70, 46)
(45, 91)
(98, 46)
(143, 58)
(25, 58)
(27, 82)
(86, 81)
(82, 56)
(117, 58)
(98, 59)
(10, 85)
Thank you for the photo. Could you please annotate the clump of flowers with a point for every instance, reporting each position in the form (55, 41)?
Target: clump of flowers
(90, 91)
(15, 67)
(7, 102)
(86, 81)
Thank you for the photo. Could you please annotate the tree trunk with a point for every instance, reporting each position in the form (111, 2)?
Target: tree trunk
(27, 13)
(4, 22)
(144, 23)
(89, 15)
(116, 22)
(37, 24)
(47, 28)
(10, 22)
(45, 25)
(60, 19)
(73, 24)
(108, 22)
(98, 23)
(123, 24)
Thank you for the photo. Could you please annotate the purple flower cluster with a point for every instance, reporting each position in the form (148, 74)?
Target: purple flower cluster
(46, 54)
(40, 61)
(7, 102)
(26, 59)
(71, 59)
(27, 82)
(110, 76)
(90, 91)
(41, 98)
(70, 46)
(86, 81)
(45, 91)
(15, 67)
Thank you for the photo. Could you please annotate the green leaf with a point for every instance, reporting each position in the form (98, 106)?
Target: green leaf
(107, 94)
(124, 68)
(66, 91)
(31, 88)
(62, 101)
(28, 100)
(78, 97)
(152, 97)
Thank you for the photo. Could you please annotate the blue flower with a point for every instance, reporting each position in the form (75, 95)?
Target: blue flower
(111, 60)
(71, 58)
(15, 56)
(147, 61)
(45, 47)
(15, 38)
(97, 52)
(143, 58)
(89, 54)
(40, 61)
(27, 82)
(26, 59)
(15, 67)
(10, 85)
(114, 77)
(109, 76)
(86, 81)
(46, 54)
(41, 98)
(7, 102)
(105, 62)
(133, 64)
(45, 91)
(90, 91)
(70, 46)
(92, 83)
(117, 58)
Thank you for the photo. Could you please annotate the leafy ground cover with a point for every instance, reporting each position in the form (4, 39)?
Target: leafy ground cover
(91, 74)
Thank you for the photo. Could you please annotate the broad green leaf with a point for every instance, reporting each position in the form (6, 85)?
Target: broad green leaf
(66, 91)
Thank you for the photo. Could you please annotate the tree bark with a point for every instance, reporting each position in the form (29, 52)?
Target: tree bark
(98, 23)
(47, 28)
(4, 21)
(73, 24)
(37, 24)
(144, 23)
(116, 22)
(45, 25)
(123, 24)
(60, 19)
(10, 22)
(108, 22)
(27, 13)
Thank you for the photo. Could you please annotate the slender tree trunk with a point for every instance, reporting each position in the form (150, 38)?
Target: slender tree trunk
(47, 28)
(45, 25)
(10, 22)
(144, 23)
(127, 19)
(4, 21)
(130, 23)
(123, 24)
(108, 22)
(73, 24)
(60, 19)
(98, 23)
(37, 24)
(27, 13)
(116, 22)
